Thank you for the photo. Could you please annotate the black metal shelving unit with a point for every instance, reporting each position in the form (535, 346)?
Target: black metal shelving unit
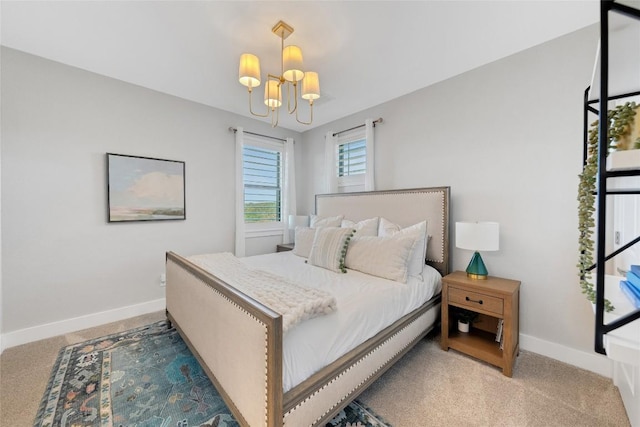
(602, 328)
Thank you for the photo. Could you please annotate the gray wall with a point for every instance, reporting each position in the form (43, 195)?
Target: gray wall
(507, 138)
(60, 258)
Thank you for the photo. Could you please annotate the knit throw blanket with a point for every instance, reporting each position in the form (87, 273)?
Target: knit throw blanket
(293, 301)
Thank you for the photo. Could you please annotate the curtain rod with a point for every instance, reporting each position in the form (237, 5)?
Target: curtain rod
(234, 130)
(378, 120)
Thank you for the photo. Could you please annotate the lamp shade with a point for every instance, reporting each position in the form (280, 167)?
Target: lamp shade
(249, 70)
(478, 236)
(292, 63)
(272, 94)
(311, 86)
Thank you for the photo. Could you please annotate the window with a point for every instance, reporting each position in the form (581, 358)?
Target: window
(351, 160)
(262, 174)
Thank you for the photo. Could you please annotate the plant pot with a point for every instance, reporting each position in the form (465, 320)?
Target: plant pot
(463, 326)
(623, 160)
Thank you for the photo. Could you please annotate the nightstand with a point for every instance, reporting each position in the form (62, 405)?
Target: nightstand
(494, 299)
(283, 247)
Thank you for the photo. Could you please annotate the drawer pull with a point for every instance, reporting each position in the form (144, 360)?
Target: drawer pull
(473, 300)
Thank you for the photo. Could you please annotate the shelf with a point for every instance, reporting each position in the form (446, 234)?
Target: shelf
(622, 344)
(479, 344)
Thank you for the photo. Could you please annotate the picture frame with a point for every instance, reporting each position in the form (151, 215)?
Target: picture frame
(145, 189)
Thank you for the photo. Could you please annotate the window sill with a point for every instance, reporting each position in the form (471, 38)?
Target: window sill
(255, 231)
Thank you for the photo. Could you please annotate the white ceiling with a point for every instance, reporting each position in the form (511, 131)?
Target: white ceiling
(366, 52)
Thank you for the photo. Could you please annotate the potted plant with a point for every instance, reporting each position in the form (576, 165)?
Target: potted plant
(465, 318)
(624, 138)
(624, 153)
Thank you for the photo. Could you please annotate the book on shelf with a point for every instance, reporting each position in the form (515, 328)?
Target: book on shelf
(633, 278)
(499, 330)
(631, 292)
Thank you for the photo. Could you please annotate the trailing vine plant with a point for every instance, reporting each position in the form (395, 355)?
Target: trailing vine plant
(620, 120)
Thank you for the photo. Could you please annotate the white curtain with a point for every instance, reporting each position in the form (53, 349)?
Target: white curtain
(240, 234)
(289, 190)
(331, 176)
(369, 176)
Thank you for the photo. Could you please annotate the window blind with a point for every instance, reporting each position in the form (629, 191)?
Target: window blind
(262, 184)
(352, 158)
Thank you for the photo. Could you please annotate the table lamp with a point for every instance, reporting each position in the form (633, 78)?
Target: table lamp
(477, 236)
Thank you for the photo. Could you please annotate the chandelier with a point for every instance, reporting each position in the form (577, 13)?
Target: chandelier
(291, 75)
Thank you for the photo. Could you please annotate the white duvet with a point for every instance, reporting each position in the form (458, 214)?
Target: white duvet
(294, 302)
(365, 305)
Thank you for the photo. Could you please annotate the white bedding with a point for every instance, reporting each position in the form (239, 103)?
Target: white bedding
(317, 342)
(294, 302)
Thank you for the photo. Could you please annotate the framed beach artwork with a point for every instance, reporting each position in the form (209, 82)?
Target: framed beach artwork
(144, 189)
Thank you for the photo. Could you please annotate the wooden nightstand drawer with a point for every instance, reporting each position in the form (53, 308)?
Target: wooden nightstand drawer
(475, 300)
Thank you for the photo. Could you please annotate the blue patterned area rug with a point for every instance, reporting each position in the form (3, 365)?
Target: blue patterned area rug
(145, 377)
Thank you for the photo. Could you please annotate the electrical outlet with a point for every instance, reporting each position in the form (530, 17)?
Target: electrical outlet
(163, 279)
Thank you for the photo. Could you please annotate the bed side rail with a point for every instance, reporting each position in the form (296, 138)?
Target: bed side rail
(236, 339)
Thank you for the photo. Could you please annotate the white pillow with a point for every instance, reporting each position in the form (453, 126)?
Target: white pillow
(386, 257)
(419, 233)
(329, 221)
(303, 241)
(330, 248)
(387, 227)
(366, 227)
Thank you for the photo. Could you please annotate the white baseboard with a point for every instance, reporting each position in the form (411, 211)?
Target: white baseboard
(593, 362)
(35, 333)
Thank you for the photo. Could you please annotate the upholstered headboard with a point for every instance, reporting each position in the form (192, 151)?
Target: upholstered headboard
(403, 207)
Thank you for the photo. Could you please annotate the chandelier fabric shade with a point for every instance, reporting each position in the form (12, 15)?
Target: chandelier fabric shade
(249, 70)
(300, 83)
(311, 86)
(272, 94)
(292, 64)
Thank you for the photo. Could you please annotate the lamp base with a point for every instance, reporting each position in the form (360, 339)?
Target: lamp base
(476, 269)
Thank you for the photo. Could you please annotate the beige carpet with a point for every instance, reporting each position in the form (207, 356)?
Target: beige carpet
(428, 387)
(431, 387)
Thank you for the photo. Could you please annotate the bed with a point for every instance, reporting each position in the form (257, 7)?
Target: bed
(240, 342)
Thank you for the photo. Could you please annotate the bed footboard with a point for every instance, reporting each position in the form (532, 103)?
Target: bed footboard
(315, 401)
(236, 339)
